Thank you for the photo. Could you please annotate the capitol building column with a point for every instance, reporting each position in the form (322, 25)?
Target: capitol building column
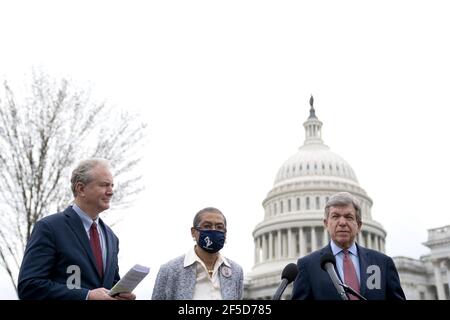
(447, 265)
(313, 239)
(266, 252)
(291, 242)
(376, 246)
(325, 237)
(369, 240)
(439, 284)
(278, 248)
(302, 241)
(270, 255)
(256, 259)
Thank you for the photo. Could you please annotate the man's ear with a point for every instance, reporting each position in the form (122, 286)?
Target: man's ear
(79, 188)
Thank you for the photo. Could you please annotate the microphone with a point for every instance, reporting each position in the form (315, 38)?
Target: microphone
(351, 291)
(287, 276)
(327, 262)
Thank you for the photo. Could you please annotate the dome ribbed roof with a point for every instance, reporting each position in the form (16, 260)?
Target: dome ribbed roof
(315, 160)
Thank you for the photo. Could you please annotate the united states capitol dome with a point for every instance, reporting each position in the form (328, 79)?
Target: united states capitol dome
(314, 158)
(294, 210)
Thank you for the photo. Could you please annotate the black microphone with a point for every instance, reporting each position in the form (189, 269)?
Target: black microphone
(287, 276)
(327, 262)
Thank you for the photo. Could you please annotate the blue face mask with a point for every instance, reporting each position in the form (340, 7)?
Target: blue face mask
(211, 240)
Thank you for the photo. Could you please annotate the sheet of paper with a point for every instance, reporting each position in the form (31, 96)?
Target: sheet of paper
(130, 281)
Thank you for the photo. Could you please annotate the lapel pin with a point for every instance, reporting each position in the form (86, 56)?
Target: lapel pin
(226, 271)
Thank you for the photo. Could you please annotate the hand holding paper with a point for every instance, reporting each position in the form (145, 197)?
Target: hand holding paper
(130, 281)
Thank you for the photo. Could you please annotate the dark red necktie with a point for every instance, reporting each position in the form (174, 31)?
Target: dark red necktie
(96, 249)
(350, 277)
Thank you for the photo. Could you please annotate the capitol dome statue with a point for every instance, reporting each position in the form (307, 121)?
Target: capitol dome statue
(294, 211)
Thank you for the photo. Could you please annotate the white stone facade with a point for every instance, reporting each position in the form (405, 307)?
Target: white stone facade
(428, 278)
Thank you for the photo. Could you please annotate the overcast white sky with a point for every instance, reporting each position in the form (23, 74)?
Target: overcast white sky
(224, 87)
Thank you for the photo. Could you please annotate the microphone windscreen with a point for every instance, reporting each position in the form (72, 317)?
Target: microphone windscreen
(327, 257)
(289, 272)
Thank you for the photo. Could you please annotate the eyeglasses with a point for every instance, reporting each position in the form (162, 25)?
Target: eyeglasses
(209, 226)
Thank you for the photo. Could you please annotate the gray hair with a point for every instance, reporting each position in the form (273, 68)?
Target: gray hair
(342, 199)
(82, 173)
(197, 217)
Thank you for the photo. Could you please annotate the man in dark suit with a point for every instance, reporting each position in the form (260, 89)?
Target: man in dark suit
(369, 272)
(73, 254)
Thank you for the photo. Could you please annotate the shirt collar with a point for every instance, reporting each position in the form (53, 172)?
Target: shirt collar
(85, 219)
(336, 249)
(191, 257)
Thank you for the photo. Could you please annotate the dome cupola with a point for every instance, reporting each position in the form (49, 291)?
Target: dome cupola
(314, 158)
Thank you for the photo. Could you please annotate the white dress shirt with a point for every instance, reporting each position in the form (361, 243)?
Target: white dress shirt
(87, 222)
(206, 287)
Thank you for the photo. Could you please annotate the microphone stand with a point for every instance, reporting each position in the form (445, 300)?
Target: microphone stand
(280, 290)
(352, 291)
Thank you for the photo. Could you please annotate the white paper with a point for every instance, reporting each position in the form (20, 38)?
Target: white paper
(130, 281)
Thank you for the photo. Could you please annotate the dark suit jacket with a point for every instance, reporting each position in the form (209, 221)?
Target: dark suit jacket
(314, 283)
(57, 242)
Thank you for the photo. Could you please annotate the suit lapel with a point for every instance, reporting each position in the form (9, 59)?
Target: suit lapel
(363, 262)
(77, 227)
(109, 249)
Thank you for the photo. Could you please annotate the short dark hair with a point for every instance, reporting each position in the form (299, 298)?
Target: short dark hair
(342, 199)
(197, 217)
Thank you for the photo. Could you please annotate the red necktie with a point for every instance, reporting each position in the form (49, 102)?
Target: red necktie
(96, 249)
(350, 277)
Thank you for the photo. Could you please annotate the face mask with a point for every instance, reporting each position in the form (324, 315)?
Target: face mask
(211, 240)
